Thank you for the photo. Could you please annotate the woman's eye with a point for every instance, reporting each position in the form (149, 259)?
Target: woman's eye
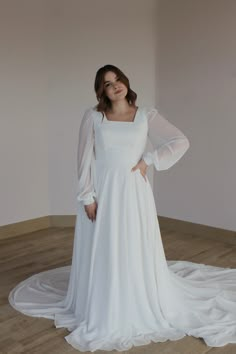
(118, 79)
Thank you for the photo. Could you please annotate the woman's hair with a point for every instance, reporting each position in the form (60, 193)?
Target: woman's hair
(104, 102)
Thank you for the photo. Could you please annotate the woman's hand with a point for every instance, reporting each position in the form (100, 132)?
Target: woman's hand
(142, 166)
(91, 211)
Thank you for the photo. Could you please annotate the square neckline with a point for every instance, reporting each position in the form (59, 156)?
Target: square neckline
(121, 121)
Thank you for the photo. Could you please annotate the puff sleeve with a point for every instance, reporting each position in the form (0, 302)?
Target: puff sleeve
(85, 156)
(169, 143)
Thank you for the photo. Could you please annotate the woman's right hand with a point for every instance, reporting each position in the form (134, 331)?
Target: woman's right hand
(91, 211)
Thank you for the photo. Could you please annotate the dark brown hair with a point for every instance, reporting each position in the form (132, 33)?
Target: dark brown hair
(104, 102)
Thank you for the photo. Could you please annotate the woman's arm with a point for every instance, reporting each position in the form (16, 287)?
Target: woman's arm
(169, 143)
(85, 153)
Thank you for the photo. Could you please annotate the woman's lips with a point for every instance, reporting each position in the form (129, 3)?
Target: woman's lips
(118, 91)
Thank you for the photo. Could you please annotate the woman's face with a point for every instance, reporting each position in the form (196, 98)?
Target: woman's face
(115, 89)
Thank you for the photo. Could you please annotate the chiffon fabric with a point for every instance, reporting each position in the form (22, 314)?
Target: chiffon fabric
(120, 291)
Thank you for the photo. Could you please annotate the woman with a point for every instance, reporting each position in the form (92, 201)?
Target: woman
(120, 291)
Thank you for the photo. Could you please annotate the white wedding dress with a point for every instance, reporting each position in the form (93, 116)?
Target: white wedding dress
(120, 290)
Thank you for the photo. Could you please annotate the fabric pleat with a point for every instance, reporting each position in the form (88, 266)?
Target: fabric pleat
(120, 291)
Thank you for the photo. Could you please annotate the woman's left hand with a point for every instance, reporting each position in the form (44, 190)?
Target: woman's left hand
(142, 166)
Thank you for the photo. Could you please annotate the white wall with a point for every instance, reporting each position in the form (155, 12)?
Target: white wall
(23, 112)
(197, 87)
(50, 52)
(53, 49)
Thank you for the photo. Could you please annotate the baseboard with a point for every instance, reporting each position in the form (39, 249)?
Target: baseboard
(24, 227)
(195, 229)
(62, 220)
(166, 224)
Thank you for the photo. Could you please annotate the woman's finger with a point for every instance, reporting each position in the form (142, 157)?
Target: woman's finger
(144, 175)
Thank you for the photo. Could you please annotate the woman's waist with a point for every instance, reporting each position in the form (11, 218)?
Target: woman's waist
(117, 159)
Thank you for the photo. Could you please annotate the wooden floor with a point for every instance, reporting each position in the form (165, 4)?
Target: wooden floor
(28, 254)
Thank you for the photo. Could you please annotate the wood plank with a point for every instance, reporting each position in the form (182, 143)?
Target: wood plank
(31, 253)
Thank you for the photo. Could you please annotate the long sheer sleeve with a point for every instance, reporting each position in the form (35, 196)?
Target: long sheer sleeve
(169, 143)
(85, 155)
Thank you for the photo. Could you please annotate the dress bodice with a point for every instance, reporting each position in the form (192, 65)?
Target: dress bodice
(118, 142)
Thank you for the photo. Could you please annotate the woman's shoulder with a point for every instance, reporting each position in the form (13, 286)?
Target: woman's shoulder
(150, 109)
(90, 112)
(150, 112)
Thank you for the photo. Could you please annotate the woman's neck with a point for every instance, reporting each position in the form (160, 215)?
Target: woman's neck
(119, 108)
